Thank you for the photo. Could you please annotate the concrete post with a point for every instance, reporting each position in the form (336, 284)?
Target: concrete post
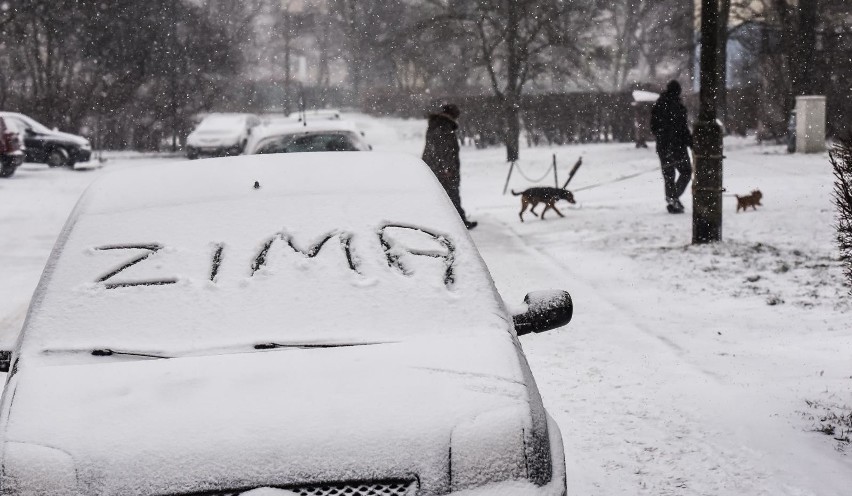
(810, 124)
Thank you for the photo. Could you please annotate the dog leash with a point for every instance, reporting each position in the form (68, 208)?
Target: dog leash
(616, 180)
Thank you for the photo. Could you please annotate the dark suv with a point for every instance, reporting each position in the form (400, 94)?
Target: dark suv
(11, 148)
(46, 146)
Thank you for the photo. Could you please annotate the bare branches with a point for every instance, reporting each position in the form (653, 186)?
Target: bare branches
(841, 160)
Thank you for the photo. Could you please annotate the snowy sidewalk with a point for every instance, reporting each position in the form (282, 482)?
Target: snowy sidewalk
(686, 369)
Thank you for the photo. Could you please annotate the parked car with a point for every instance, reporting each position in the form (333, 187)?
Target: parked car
(221, 134)
(49, 146)
(316, 136)
(314, 323)
(11, 148)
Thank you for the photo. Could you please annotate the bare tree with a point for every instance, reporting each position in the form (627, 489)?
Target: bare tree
(366, 25)
(646, 36)
(74, 59)
(841, 160)
(519, 41)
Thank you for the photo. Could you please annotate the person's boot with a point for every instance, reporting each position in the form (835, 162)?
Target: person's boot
(673, 206)
(679, 205)
(470, 224)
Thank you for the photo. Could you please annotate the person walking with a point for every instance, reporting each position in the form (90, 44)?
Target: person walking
(441, 154)
(669, 125)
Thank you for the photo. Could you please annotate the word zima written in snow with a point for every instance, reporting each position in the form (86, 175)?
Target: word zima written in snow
(392, 249)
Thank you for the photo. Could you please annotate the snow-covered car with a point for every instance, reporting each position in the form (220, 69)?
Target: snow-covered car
(315, 136)
(220, 134)
(314, 324)
(49, 146)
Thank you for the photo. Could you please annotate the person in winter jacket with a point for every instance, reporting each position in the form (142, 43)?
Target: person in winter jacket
(669, 125)
(441, 154)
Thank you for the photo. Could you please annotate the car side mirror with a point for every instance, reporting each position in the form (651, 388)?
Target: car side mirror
(5, 360)
(546, 310)
(29, 131)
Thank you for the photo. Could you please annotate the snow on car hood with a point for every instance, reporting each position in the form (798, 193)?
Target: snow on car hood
(271, 418)
(329, 248)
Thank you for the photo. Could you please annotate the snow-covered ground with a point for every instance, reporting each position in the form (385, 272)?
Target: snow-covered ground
(687, 370)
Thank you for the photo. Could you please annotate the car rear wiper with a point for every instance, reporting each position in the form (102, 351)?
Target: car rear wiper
(109, 352)
(308, 346)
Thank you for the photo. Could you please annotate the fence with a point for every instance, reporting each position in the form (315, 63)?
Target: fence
(554, 118)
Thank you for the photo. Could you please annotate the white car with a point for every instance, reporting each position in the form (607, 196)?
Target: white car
(312, 324)
(221, 134)
(315, 136)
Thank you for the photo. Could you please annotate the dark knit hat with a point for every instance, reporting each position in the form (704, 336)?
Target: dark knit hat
(673, 88)
(451, 109)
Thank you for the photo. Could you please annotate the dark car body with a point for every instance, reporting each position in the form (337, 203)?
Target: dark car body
(48, 146)
(11, 149)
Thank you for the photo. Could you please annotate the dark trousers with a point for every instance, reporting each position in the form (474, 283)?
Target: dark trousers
(451, 185)
(675, 188)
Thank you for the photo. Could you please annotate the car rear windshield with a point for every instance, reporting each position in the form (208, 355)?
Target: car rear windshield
(313, 142)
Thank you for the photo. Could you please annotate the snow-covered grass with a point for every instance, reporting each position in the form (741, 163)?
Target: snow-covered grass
(688, 370)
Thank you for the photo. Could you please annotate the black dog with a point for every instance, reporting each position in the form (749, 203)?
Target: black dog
(546, 195)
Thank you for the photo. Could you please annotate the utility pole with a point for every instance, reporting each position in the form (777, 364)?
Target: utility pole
(707, 186)
(288, 36)
(173, 73)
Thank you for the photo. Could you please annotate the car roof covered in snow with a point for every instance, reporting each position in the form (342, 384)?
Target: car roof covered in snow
(307, 249)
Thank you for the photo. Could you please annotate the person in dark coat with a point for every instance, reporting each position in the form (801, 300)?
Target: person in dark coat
(441, 154)
(669, 125)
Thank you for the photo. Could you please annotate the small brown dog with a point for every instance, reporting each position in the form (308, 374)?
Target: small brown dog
(542, 194)
(752, 200)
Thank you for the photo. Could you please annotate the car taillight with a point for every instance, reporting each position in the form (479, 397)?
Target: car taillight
(10, 141)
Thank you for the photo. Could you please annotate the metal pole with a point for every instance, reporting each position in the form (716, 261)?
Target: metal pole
(555, 176)
(707, 185)
(506, 186)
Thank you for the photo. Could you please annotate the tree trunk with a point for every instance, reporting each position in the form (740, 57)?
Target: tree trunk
(707, 183)
(690, 40)
(722, 61)
(512, 115)
(803, 82)
(356, 54)
(511, 109)
(288, 76)
(323, 78)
